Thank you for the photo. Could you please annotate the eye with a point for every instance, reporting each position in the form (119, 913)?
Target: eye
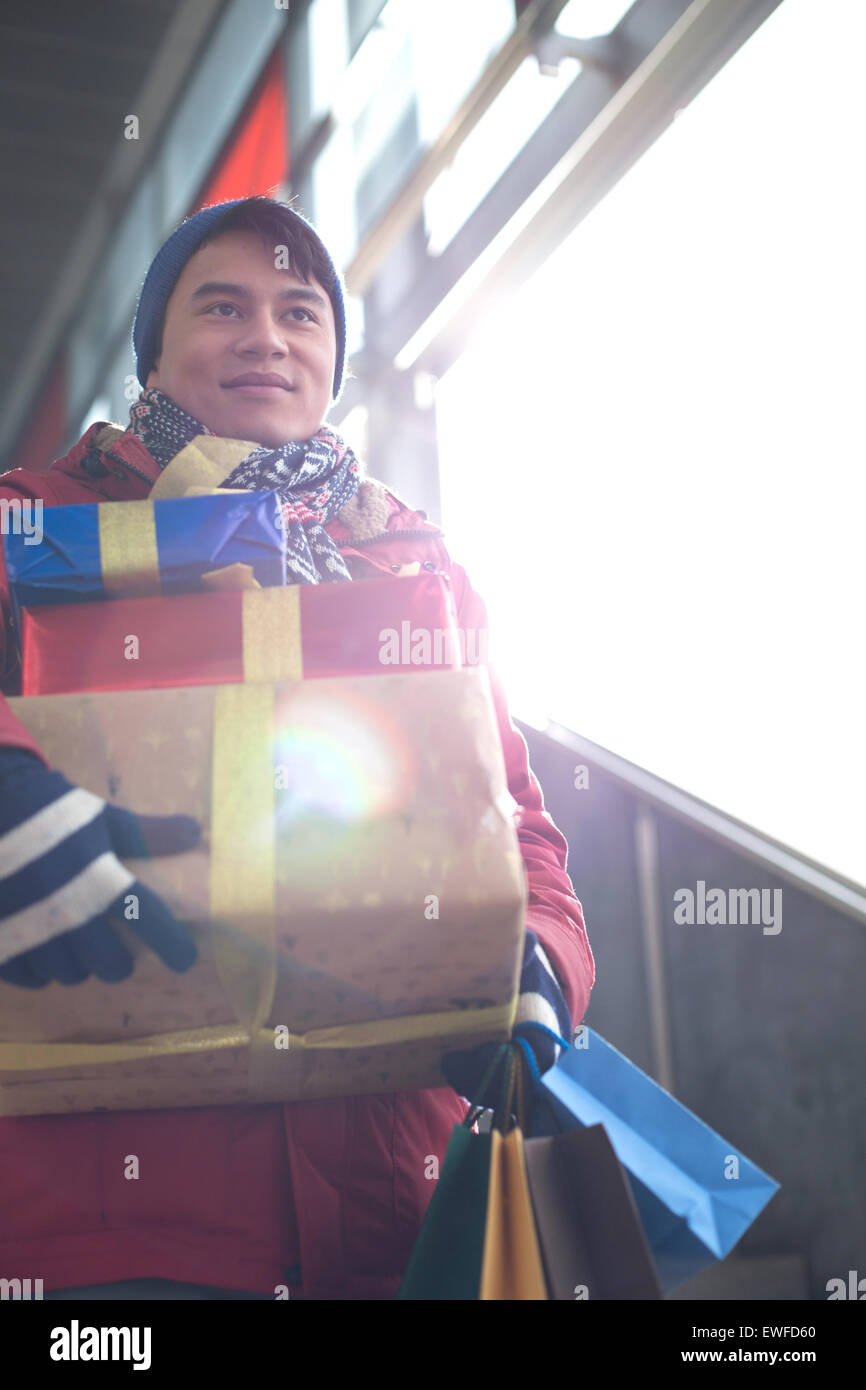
(308, 315)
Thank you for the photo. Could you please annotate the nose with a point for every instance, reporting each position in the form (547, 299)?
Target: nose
(261, 336)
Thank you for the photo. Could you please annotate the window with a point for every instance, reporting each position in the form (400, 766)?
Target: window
(663, 436)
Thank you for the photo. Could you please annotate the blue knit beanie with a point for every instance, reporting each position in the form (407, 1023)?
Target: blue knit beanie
(169, 261)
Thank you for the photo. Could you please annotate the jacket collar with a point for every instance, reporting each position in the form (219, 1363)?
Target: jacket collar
(113, 448)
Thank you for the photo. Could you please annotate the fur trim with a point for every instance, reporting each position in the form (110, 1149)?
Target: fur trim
(108, 436)
(366, 514)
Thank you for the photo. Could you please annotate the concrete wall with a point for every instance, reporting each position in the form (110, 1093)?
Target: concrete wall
(768, 1031)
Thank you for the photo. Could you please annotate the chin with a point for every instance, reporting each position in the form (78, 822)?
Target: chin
(270, 435)
(273, 441)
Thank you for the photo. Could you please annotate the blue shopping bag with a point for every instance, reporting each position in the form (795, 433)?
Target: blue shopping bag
(696, 1194)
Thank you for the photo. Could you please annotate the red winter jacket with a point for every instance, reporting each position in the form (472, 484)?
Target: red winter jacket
(240, 1196)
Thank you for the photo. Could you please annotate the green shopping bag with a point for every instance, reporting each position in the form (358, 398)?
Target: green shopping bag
(446, 1259)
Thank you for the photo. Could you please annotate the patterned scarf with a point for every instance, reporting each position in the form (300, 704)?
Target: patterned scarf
(314, 478)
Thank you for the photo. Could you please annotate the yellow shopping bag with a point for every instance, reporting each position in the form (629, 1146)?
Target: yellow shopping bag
(511, 1266)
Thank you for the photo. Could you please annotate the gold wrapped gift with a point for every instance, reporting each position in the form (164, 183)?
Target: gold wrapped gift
(358, 899)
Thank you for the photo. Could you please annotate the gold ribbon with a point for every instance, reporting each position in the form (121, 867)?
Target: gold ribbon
(243, 854)
(236, 576)
(271, 621)
(379, 1033)
(211, 491)
(127, 550)
(203, 463)
(242, 888)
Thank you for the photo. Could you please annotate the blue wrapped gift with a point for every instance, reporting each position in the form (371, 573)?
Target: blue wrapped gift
(144, 548)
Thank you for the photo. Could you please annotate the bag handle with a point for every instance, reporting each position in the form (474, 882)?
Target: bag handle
(506, 1053)
(475, 1110)
(529, 1063)
(520, 1058)
(502, 1114)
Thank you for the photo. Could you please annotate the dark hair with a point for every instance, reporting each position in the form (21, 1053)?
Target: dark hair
(275, 222)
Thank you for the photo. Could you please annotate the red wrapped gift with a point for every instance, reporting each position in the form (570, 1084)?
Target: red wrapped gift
(367, 627)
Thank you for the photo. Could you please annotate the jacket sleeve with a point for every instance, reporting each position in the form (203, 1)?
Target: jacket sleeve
(18, 485)
(553, 912)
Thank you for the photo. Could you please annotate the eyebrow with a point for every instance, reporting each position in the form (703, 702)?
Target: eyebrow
(240, 292)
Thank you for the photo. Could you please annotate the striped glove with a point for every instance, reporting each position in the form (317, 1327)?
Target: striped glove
(540, 1001)
(61, 879)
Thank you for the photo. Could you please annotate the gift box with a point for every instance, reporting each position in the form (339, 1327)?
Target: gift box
(300, 630)
(358, 899)
(146, 547)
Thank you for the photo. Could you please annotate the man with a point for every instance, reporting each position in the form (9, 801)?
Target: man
(240, 333)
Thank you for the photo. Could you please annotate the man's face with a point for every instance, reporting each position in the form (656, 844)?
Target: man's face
(232, 312)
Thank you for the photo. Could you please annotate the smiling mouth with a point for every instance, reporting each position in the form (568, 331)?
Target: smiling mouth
(260, 389)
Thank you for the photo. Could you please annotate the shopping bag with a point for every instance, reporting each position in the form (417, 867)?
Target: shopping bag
(592, 1242)
(446, 1259)
(696, 1194)
(511, 1266)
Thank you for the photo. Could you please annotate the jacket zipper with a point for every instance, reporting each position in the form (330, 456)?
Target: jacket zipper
(387, 535)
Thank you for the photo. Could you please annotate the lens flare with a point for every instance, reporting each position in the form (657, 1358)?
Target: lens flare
(338, 757)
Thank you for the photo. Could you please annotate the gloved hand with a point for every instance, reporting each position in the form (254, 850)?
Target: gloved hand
(541, 1001)
(58, 862)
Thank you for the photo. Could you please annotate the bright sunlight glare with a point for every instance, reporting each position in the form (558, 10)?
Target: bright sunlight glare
(652, 455)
